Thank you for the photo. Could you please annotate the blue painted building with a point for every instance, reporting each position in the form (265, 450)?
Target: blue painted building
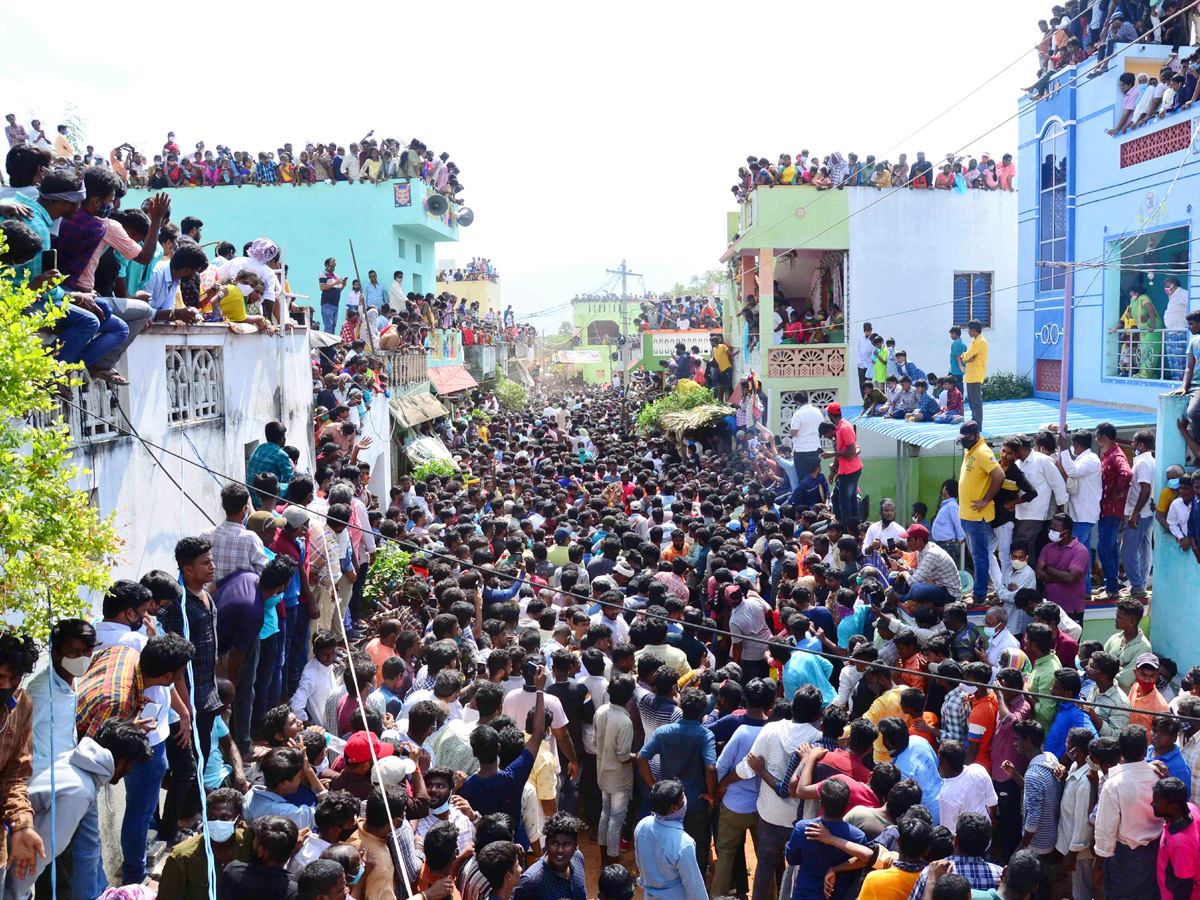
(388, 222)
(1122, 204)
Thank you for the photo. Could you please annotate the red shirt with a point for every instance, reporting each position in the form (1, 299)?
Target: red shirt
(1115, 476)
(848, 764)
(846, 437)
(860, 794)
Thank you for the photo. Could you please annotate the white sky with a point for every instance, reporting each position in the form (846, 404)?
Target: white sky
(584, 138)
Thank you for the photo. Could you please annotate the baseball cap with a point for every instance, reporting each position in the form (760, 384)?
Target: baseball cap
(1146, 659)
(359, 746)
(258, 520)
(295, 516)
(394, 769)
(918, 531)
(833, 409)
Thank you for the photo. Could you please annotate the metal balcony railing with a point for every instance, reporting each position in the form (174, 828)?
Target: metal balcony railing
(1159, 355)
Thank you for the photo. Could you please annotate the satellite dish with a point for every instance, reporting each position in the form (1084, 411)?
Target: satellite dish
(466, 216)
(436, 205)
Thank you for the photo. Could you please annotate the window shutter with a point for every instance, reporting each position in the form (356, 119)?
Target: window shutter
(981, 299)
(962, 299)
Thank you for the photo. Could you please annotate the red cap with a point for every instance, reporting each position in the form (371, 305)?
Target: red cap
(919, 531)
(833, 409)
(359, 745)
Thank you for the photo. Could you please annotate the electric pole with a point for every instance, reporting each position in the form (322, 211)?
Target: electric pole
(624, 273)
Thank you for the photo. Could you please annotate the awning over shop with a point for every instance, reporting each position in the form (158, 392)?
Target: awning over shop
(1002, 418)
(414, 409)
(427, 449)
(448, 379)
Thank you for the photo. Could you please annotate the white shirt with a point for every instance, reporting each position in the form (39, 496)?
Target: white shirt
(267, 275)
(969, 791)
(1177, 518)
(1175, 316)
(1043, 476)
(1143, 473)
(1074, 828)
(776, 743)
(1084, 505)
(865, 349)
(1002, 641)
(518, 704)
(882, 533)
(805, 421)
(316, 684)
(620, 628)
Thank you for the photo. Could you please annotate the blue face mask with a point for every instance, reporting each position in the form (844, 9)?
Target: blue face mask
(357, 875)
(1173, 483)
(105, 211)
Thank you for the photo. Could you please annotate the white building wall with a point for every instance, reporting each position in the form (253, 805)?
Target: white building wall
(904, 252)
(151, 514)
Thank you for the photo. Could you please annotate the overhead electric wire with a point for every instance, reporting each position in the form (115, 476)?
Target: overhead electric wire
(417, 549)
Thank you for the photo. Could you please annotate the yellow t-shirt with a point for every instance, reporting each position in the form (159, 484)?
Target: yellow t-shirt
(233, 304)
(886, 704)
(974, 479)
(721, 355)
(1166, 498)
(888, 884)
(788, 175)
(976, 357)
(543, 775)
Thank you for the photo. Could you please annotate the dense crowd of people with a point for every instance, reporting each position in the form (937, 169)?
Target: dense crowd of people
(627, 644)
(835, 171)
(367, 160)
(680, 313)
(479, 269)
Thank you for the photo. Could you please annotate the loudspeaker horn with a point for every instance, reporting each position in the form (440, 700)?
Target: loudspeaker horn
(436, 205)
(466, 216)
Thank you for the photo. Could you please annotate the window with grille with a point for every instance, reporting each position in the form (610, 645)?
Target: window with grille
(973, 298)
(1052, 206)
(194, 384)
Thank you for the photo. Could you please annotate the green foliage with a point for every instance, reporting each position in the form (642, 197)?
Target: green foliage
(1007, 386)
(650, 418)
(704, 283)
(511, 394)
(565, 327)
(387, 572)
(439, 467)
(479, 415)
(54, 546)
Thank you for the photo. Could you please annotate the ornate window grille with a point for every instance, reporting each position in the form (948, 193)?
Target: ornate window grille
(788, 404)
(1160, 143)
(194, 384)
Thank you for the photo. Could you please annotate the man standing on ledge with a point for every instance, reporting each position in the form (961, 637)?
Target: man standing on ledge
(979, 480)
(865, 358)
(847, 467)
(974, 363)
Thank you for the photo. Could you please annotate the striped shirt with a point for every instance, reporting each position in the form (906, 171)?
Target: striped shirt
(111, 687)
(1191, 755)
(235, 548)
(1040, 803)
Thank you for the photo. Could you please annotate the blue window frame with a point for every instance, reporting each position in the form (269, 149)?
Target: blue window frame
(1052, 206)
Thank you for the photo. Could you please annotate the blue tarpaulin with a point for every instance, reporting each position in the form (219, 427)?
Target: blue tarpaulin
(1002, 418)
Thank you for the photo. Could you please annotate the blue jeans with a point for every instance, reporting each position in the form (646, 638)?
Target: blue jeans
(329, 317)
(243, 699)
(297, 644)
(897, 413)
(613, 807)
(1106, 549)
(978, 535)
(142, 785)
(845, 495)
(1135, 552)
(946, 417)
(929, 593)
(84, 338)
(1083, 533)
(88, 881)
(266, 671)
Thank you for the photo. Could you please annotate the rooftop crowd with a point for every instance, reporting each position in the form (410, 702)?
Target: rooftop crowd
(835, 171)
(680, 313)
(367, 160)
(478, 269)
(627, 645)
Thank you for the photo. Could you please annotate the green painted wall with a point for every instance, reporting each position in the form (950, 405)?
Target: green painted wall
(313, 223)
(622, 312)
(788, 216)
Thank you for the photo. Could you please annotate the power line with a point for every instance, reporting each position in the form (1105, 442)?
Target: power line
(714, 631)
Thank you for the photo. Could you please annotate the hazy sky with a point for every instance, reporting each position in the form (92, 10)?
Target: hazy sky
(611, 132)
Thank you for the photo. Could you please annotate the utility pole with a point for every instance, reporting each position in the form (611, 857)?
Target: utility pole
(1064, 375)
(624, 273)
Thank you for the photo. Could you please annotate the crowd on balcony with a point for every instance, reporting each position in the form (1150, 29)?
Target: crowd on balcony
(479, 269)
(1079, 31)
(837, 172)
(368, 160)
(685, 313)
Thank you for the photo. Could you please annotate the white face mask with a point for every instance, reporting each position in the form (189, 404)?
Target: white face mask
(1019, 564)
(76, 667)
(220, 831)
(1055, 536)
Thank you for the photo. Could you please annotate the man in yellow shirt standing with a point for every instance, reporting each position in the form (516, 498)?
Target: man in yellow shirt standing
(974, 363)
(722, 354)
(886, 703)
(979, 480)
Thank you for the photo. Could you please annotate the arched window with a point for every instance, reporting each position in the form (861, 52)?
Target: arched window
(1052, 206)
